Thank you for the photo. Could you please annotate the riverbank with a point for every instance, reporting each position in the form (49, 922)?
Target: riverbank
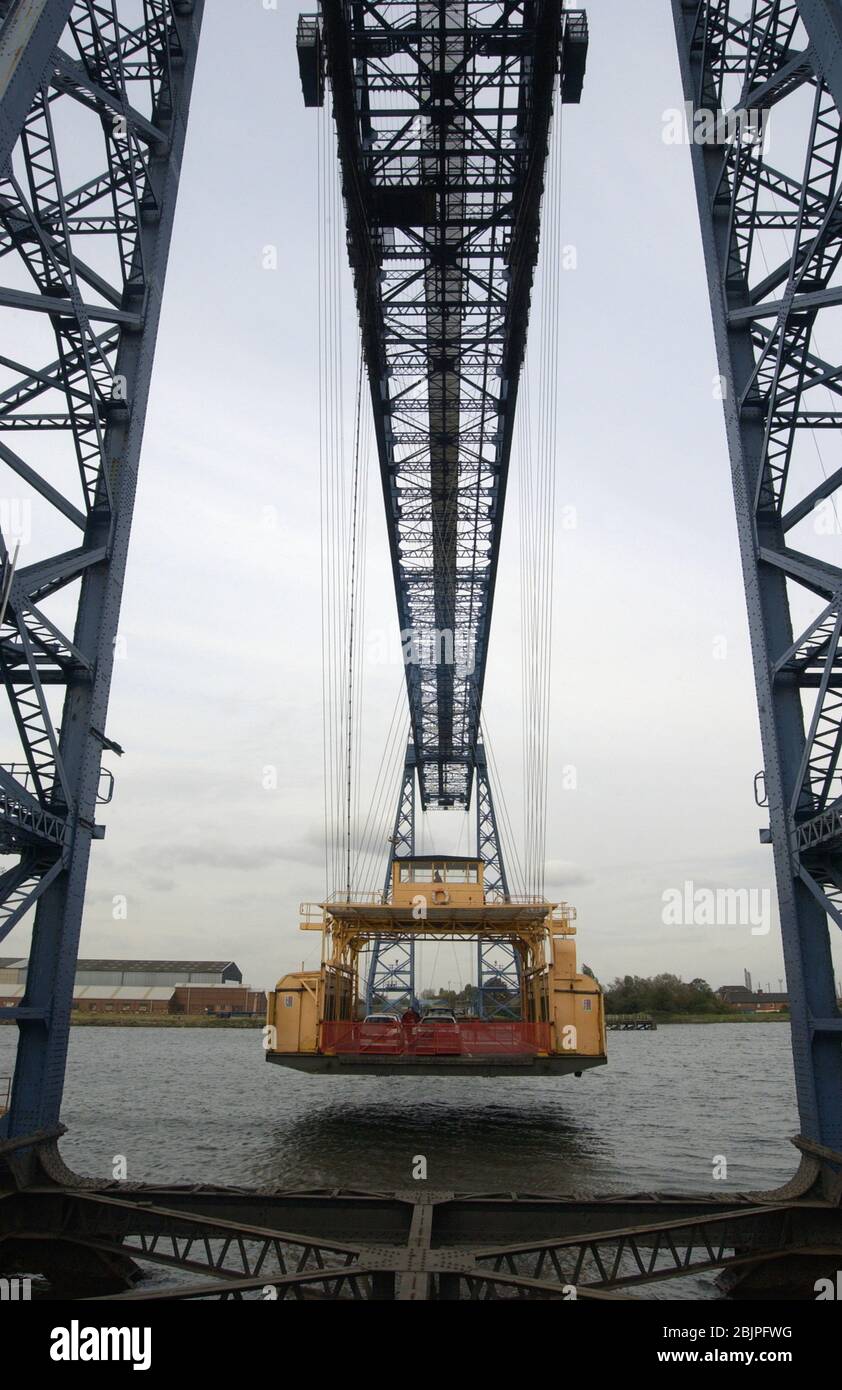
(721, 1018)
(161, 1021)
(87, 1020)
(92, 1020)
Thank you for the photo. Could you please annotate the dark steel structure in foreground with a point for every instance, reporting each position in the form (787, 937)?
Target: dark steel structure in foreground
(221, 1244)
(774, 322)
(76, 363)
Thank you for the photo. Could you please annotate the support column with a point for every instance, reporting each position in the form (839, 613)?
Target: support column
(391, 975)
(58, 686)
(498, 966)
(769, 336)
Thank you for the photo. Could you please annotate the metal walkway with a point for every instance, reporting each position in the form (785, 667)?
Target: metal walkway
(230, 1243)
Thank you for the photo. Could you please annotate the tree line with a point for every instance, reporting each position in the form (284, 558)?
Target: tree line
(662, 994)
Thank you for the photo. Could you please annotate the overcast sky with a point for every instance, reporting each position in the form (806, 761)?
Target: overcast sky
(653, 700)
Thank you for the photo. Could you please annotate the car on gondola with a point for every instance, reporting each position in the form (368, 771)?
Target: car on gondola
(438, 1033)
(381, 1033)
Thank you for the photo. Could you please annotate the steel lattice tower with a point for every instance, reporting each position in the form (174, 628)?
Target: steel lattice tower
(391, 973)
(443, 111)
(779, 360)
(84, 266)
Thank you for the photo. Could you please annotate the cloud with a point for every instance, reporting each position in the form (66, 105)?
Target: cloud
(564, 873)
(221, 854)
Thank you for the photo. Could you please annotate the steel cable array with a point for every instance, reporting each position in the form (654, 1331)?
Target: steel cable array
(343, 492)
(537, 427)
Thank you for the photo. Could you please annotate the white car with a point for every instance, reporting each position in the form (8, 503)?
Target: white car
(381, 1033)
(438, 1033)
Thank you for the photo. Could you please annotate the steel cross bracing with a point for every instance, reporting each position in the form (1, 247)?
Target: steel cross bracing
(87, 202)
(498, 964)
(338, 1244)
(771, 216)
(403, 837)
(391, 972)
(443, 111)
(231, 1260)
(391, 975)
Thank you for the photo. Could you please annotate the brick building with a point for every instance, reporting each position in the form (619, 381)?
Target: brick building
(218, 999)
(753, 1001)
(106, 999)
(222, 1000)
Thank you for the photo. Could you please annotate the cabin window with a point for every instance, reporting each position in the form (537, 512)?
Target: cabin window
(457, 873)
(442, 872)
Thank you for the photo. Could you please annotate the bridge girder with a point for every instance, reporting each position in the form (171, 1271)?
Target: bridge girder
(443, 111)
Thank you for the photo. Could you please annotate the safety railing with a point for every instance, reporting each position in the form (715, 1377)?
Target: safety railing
(562, 912)
(465, 1038)
(311, 912)
(342, 896)
(22, 774)
(315, 912)
(5, 1093)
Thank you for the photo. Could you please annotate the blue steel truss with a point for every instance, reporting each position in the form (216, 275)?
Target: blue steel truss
(83, 264)
(498, 964)
(391, 974)
(391, 977)
(443, 111)
(781, 369)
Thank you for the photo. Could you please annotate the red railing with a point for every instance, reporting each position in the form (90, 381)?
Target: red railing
(466, 1038)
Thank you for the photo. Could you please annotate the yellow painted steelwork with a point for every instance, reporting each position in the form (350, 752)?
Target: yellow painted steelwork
(294, 1009)
(440, 899)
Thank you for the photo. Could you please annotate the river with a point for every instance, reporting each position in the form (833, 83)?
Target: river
(202, 1105)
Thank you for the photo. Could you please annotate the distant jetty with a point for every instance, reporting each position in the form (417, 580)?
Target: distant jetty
(631, 1023)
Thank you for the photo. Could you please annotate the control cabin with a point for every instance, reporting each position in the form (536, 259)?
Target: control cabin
(316, 1019)
(440, 882)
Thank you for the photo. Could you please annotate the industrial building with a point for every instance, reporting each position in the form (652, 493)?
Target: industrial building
(753, 1001)
(147, 987)
(223, 1001)
(141, 974)
(218, 999)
